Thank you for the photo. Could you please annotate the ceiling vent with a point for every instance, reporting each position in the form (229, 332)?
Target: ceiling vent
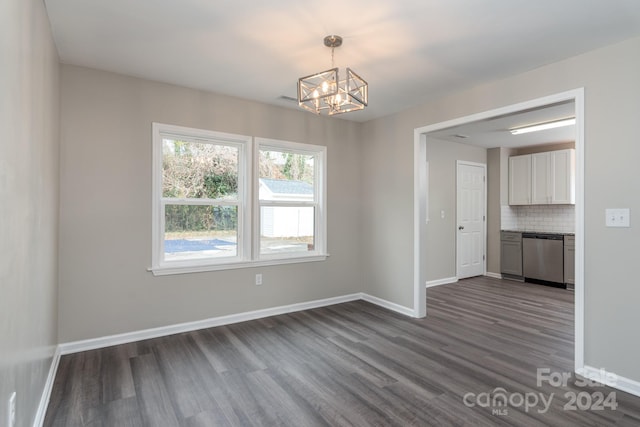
(287, 98)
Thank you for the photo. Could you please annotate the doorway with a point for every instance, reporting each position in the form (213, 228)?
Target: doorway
(471, 214)
(421, 201)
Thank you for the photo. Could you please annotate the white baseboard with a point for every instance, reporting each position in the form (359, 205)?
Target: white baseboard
(128, 337)
(388, 305)
(46, 392)
(612, 380)
(494, 275)
(439, 282)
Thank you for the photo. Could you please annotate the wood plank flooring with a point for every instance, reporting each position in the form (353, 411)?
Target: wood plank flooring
(352, 364)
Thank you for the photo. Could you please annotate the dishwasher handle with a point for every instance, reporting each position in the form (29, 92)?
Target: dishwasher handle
(544, 236)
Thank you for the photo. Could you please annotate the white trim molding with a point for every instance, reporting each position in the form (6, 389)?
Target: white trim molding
(421, 198)
(494, 275)
(420, 220)
(388, 305)
(610, 379)
(128, 337)
(579, 287)
(438, 282)
(247, 202)
(38, 421)
(484, 214)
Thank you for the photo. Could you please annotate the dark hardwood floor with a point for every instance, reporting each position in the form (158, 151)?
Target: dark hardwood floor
(351, 364)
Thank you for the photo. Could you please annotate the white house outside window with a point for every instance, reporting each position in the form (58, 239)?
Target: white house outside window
(203, 215)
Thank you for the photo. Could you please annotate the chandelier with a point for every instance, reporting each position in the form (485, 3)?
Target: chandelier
(324, 92)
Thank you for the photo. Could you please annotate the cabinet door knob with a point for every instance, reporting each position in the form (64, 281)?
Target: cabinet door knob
(461, 227)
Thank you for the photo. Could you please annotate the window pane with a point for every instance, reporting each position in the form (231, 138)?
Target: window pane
(199, 170)
(195, 232)
(286, 176)
(286, 229)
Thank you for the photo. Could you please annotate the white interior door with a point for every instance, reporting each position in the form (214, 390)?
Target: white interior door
(471, 216)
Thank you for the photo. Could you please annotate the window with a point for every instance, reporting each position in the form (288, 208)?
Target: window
(290, 199)
(200, 197)
(204, 217)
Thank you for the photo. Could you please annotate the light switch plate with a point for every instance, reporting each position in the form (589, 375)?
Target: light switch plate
(617, 218)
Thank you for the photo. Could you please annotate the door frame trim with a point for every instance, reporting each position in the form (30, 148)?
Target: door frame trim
(484, 214)
(421, 202)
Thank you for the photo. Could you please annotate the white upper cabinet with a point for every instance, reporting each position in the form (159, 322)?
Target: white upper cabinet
(542, 178)
(520, 180)
(563, 174)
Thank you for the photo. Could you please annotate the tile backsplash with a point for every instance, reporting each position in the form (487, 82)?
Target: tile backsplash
(552, 218)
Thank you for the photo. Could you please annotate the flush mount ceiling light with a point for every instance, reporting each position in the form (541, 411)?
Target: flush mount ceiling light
(324, 92)
(543, 126)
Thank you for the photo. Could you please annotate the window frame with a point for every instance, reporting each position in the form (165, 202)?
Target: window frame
(248, 237)
(243, 144)
(319, 154)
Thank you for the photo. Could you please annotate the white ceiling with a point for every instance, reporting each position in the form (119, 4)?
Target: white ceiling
(410, 51)
(494, 132)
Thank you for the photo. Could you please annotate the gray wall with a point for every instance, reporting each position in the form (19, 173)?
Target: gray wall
(498, 193)
(440, 249)
(612, 92)
(105, 199)
(28, 204)
(493, 210)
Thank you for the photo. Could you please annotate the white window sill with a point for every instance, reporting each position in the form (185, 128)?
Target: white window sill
(169, 270)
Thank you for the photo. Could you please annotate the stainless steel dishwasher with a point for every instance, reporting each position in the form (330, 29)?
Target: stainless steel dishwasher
(543, 257)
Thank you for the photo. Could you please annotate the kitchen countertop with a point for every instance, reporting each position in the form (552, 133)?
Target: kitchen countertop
(541, 232)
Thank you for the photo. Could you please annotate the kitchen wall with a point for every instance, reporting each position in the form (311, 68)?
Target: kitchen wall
(29, 119)
(497, 197)
(501, 216)
(440, 249)
(550, 218)
(612, 100)
(105, 215)
(542, 148)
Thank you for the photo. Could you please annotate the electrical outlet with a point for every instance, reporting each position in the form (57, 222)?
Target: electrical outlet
(258, 279)
(11, 410)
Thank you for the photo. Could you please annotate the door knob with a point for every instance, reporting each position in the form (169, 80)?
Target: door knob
(461, 227)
